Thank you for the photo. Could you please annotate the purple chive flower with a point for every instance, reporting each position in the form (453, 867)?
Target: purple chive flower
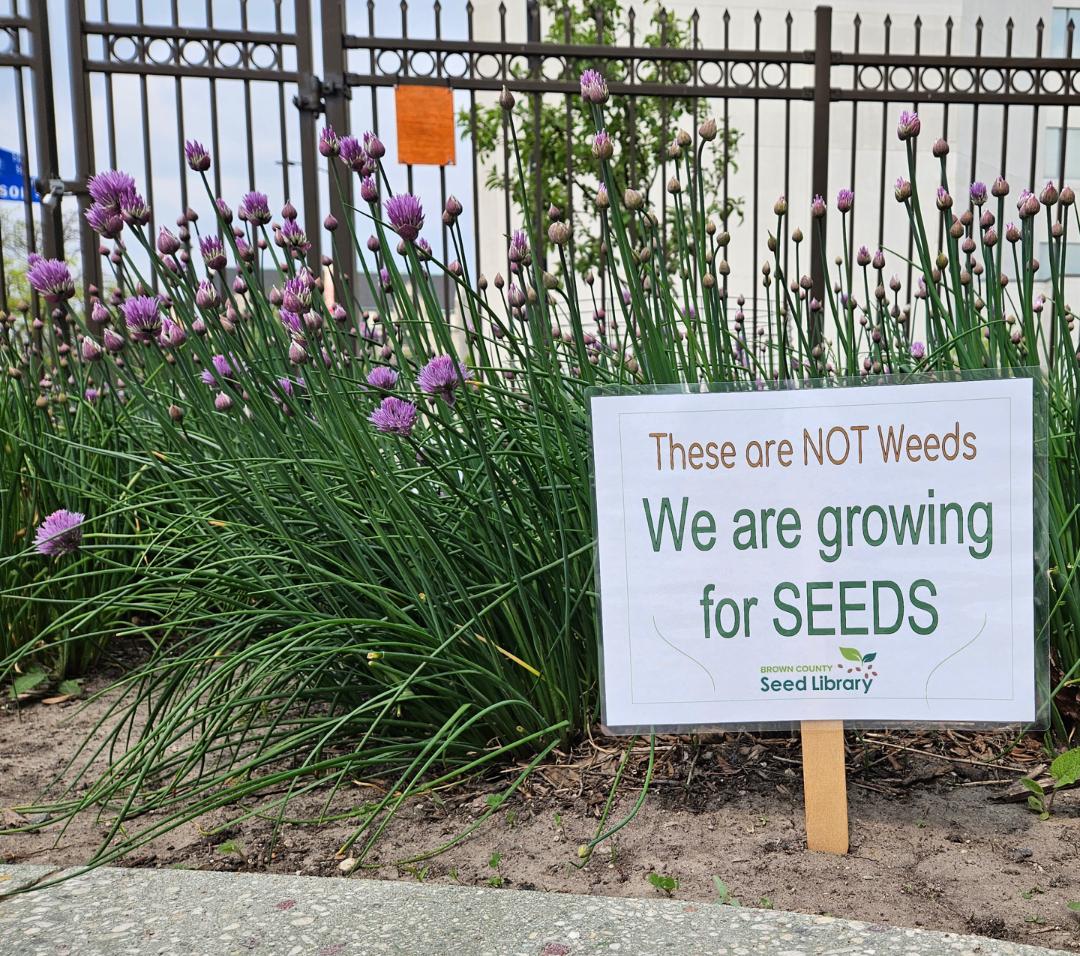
(406, 215)
(292, 321)
(384, 279)
(394, 416)
(902, 190)
(105, 221)
(223, 366)
(1000, 188)
(167, 243)
(198, 157)
(382, 377)
(60, 533)
(296, 296)
(1028, 204)
(206, 295)
(222, 402)
(1049, 194)
(908, 126)
(113, 340)
(142, 315)
(255, 208)
(515, 295)
(223, 370)
(442, 376)
(519, 247)
(294, 239)
(90, 350)
(817, 207)
(134, 210)
(213, 253)
(369, 192)
(92, 394)
(977, 193)
(350, 150)
(328, 142)
(111, 189)
(172, 334)
(594, 87)
(353, 155)
(602, 145)
(373, 146)
(223, 210)
(845, 199)
(52, 279)
(918, 350)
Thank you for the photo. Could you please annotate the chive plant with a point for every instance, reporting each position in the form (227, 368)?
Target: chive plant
(358, 541)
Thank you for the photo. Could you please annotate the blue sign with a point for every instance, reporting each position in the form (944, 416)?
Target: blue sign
(12, 186)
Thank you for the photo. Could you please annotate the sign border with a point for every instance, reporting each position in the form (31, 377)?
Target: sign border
(1040, 544)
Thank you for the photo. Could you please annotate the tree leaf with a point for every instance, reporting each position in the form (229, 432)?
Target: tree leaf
(850, 654)
(867, 658)
(1066, 768)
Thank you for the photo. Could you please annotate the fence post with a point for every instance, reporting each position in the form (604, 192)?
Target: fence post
(48, 163)
(819, 176)
(532, 10)
(84, 147)
(336, 96)
(307, 102)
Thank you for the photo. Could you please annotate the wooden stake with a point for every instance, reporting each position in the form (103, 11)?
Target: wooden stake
(825, 786)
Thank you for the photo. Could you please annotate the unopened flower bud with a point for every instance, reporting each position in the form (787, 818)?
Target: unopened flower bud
(559, 233)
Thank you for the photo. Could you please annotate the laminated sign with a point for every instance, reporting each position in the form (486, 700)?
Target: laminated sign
(866, 554)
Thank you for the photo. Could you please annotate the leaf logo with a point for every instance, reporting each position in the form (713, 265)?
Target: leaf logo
(859, 660)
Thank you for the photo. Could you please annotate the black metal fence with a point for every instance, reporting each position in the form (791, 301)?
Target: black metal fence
(805, 104)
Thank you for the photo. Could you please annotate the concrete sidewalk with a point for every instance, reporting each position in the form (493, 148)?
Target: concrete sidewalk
(120, 912)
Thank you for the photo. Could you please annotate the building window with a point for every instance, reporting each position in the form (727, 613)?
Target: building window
(1052, 153)
(1059, 30)
(1072, 261)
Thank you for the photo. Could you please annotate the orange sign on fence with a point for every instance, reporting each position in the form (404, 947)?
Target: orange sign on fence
(425, 125)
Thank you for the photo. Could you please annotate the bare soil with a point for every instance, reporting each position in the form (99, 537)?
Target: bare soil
(932, 843)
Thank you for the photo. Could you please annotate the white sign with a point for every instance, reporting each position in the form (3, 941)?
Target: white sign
(861, 554)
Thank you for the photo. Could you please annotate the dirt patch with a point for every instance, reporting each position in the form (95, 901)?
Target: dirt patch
(930, 847)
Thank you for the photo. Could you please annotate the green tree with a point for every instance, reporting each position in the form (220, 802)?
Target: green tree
(640, 126)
